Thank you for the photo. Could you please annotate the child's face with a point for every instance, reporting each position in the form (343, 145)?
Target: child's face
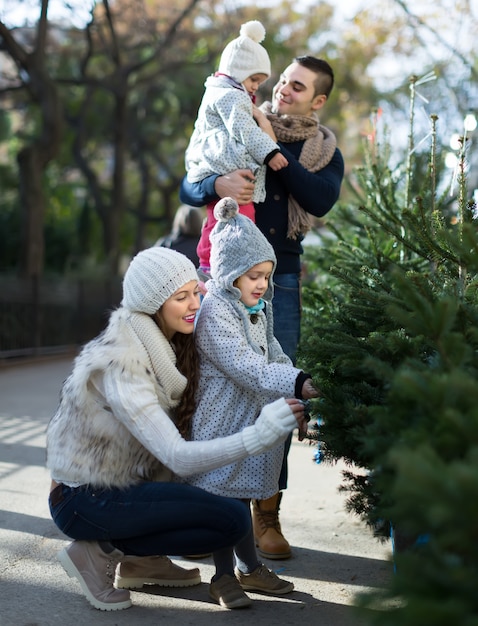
(253, 284)
(252, 83)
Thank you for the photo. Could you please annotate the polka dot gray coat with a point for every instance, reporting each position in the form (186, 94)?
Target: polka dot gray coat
(226, 136)
(239, 374)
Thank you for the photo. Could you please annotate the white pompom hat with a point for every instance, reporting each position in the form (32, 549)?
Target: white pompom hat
(153, 276)
(245, 56)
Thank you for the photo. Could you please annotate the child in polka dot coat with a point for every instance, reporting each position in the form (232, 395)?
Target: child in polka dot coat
(226, 136)
(242, 368)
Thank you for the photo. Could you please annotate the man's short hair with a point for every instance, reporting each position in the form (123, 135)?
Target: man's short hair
(325, 74)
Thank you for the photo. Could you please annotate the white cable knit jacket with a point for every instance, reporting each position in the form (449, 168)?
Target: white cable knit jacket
(112, 427)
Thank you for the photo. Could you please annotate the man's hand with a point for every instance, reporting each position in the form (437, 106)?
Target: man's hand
(263, 122)
(238, 184)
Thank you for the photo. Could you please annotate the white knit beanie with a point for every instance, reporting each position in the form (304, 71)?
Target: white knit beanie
(245, 56)
(236, 245)
(153, 276)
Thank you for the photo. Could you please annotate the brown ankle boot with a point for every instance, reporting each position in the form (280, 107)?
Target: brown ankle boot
(270, 541)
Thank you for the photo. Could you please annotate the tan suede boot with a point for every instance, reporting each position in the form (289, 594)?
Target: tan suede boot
(270, 541)
(133, 572)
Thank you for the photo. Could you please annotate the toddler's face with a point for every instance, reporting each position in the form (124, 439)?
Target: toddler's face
(253, 284)
(252, 83)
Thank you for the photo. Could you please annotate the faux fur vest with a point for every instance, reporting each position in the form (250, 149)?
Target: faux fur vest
(86, 442)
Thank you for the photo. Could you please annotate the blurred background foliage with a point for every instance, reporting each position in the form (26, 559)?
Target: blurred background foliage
(98, 100)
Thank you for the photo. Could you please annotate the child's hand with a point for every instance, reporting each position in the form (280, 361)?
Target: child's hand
(277, 162)
(309, 391)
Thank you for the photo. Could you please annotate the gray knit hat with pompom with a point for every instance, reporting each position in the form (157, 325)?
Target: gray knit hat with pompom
(153, 276)
(236, 245)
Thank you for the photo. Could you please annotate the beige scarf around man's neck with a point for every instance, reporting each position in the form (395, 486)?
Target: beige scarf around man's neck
(317, 151)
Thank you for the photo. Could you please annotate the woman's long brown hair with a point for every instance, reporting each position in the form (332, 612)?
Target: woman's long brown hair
(187, 362)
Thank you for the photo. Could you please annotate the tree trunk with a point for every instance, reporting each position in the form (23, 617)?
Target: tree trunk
(32, 203)
(34, 157)
(113, 218)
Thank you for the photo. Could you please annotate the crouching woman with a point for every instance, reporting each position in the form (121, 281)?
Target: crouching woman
(120, 434)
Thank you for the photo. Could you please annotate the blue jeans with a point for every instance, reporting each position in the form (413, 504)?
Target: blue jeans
(287, 313)
(151, 518)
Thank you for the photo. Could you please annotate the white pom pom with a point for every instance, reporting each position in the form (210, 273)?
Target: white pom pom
(254, 30)
(226, 209)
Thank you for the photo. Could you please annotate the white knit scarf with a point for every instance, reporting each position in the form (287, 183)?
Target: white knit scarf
(163, 359)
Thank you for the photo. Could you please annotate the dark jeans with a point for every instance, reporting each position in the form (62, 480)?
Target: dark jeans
(151, 518)
(287, 313)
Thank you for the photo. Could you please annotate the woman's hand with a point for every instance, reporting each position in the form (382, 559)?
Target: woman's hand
(298, 409)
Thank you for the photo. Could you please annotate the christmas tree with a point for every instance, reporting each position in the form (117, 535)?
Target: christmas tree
(390, 335)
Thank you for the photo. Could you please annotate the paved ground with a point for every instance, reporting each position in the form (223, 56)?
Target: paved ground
(335, 556)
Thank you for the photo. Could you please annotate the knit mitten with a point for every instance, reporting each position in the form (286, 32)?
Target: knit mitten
(275, 422)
